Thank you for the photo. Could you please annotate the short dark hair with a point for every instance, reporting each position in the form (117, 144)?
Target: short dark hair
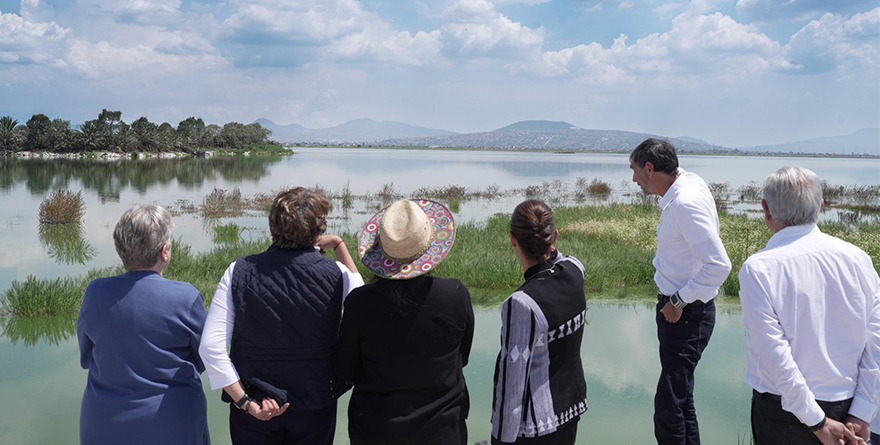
(297, 218)
(533, 226)
(660, 153)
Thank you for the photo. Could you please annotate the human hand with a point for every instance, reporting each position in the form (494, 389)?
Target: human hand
(671, 313)
(836, 433)
(267, 409)
(859, 427)
(328, 242)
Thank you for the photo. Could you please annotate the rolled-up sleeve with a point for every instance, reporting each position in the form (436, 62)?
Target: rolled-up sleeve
(214, 346)
(701, 232)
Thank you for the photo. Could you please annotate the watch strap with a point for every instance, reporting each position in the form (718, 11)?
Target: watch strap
(816, 427)
(676, 301)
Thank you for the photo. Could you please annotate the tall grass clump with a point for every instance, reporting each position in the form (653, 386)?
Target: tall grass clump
(616, 243)
(228, 234)
(34, 297)
(62, 207)
(750, 192)
(347, 197)
(387, 193)
(220, 204)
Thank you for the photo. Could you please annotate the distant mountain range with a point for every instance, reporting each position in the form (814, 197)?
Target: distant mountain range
(356, 131)
(548, 135)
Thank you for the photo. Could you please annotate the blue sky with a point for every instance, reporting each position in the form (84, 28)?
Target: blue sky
(731, 72)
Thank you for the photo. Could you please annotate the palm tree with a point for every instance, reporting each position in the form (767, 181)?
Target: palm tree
(10, 138)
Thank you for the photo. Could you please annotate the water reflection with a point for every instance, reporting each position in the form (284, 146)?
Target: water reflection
(109, 178)
(33, 331)
(41, 365)
(65, 243)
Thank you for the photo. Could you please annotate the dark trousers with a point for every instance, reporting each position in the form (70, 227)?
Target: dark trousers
(454, 434)
(875, 438)
(681, 346)
(773, 425)
(564, 435)
(291, 428)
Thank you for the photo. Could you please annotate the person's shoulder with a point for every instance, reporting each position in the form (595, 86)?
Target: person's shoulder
(361, 293)
(845, 247)
(574, 261)
(180, 289)
(452, 282)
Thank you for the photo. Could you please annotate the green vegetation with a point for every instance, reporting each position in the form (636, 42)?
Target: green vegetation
(35, 297)
(616, 243)
(109, 133)
(65, 243)
(62, 207)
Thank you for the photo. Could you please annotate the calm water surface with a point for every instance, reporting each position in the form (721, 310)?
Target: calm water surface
(39, 360)
(619, 354)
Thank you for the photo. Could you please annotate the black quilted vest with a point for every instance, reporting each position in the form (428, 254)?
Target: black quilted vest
(288, 305)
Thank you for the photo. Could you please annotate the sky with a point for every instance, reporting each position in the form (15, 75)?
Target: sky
(731, 72)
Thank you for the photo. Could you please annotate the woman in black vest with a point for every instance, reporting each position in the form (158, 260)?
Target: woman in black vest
(279, 310)
(540, 391)
(406, 336)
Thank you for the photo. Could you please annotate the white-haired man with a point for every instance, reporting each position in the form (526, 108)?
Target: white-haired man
(811, 307)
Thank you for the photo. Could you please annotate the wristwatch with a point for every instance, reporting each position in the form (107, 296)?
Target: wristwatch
(816, 427)
(244, 402)
(676, 301)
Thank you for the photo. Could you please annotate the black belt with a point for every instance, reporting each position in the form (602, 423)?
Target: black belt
(664, 298)
(766, 396)
(775, 398)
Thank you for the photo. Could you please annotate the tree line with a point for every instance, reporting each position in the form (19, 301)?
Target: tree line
(110, 133)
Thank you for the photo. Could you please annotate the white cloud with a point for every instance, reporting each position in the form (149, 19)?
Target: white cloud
(696, 45)
(423, 48)
(521, 2)
(475, 28)
(791, 10)
(834, 42)
(103, 59)
(271, 22)
(23, 41)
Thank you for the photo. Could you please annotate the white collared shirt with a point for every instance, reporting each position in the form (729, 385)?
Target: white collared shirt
(690, 258)
(217, 334)
(811, 309)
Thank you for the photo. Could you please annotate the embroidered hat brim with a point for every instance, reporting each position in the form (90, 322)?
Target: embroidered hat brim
(375, 260)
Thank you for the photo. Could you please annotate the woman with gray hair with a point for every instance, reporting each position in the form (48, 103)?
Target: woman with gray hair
(138, 337)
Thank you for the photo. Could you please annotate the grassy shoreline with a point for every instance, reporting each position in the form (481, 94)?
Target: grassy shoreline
(616, 243)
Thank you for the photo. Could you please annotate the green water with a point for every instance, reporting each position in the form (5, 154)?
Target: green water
(41, 373)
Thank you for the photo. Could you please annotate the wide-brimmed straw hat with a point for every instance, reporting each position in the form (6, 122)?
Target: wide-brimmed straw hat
(407, 239)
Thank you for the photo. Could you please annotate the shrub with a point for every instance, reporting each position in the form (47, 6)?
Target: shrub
(62, 207)
(599, 187)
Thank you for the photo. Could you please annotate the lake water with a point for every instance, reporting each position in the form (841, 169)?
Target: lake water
(39, 360)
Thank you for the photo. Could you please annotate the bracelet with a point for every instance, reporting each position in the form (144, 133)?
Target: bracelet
(337, 244)
(676, 301)
(244, 403)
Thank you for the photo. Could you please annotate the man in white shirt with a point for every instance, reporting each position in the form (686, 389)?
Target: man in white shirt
(691, 265)
(875, 429)
(811, 309)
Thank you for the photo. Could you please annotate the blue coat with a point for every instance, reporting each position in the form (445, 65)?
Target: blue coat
(139, 338)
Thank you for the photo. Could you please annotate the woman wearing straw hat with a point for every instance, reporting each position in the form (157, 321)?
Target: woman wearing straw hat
(406, 336)
(540, 392)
